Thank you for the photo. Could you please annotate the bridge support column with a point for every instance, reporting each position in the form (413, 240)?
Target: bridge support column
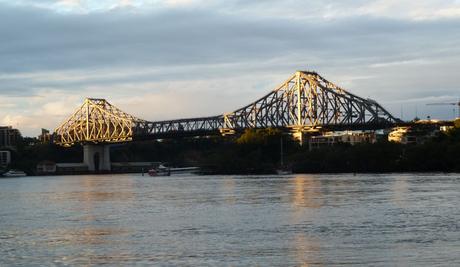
(97, 157)
(300, 137)
(303, 134)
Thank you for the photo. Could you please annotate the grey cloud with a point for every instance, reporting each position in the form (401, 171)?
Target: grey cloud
(45, 40)
(129, 49)
(38, 39)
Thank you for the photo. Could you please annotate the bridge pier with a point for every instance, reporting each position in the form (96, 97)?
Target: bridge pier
(97, 157)
(302, 134)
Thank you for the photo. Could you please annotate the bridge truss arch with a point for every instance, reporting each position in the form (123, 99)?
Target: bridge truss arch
(304, 102)
(307, 101)
(96, 121)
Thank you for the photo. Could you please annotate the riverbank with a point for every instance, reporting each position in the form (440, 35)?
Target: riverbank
(258, 152)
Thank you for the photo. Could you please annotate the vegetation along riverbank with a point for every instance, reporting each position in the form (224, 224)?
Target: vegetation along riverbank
(258, 152)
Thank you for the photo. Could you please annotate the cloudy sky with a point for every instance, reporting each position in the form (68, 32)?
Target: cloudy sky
(182, 58)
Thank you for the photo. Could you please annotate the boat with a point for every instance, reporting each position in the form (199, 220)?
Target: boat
(160, 170)
(185, 170)
(283, 169)
(14, 173)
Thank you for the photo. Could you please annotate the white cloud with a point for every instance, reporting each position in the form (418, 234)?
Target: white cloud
(314, 9)
(199, 58)
(70, 3)
(125, 3)
(21, 121)
(448, 12)
(413, 10)
(181, 2)
(30, 114)
(412, 62)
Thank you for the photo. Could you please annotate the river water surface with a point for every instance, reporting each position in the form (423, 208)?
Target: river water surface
(295, 220)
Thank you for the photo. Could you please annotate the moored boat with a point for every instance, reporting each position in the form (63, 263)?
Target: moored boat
(14, 173)
(160, 171)
(283, 171)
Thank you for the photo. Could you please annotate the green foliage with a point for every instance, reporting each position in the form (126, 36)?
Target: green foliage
(452, 135)
(255, 151)
(259, 136)
(30, 153)
(379, 157)
(457, 123)
(180, 152)
(258, 151)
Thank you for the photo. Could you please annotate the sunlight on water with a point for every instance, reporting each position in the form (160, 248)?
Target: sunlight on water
(296, 220)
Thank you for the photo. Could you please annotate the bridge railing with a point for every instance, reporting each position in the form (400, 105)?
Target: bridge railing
(181, 127)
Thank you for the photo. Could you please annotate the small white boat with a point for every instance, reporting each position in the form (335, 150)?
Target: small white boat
(14, 173)
(283, 171)
(185, 170)
(160, 171)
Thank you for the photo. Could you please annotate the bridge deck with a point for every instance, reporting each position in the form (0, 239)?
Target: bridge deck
(304, 101)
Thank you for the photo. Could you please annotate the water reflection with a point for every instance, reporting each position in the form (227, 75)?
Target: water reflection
(94, 190)
(307, 251)
(90, 190)
(306, 192)
(399, 190)
(300, 220)
(93, 226)
(72, 236)
(229, 190)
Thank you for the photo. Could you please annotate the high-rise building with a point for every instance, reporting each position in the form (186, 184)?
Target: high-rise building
(9, 137)
(45, 137)
(5, 158)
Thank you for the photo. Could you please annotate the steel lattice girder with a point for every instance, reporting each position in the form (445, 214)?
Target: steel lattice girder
(96, 121)
(308, 100)
(304, 101)
(183, 127)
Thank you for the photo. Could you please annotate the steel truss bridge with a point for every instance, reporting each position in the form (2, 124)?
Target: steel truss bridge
(306, 102)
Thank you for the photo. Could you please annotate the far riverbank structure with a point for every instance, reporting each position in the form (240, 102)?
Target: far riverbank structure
(305, 105)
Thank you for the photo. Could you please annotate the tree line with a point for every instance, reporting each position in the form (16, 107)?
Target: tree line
(257, 151)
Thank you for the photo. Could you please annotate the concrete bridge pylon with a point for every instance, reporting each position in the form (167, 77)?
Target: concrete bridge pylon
(97, 157)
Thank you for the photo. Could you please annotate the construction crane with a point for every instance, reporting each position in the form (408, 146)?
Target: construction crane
(448, 104)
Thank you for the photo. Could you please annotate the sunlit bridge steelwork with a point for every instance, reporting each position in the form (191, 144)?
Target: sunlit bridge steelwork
(306, 102)
(96, 121)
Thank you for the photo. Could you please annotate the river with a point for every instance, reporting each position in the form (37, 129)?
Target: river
(294, 220)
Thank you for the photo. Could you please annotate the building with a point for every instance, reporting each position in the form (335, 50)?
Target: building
(9, 137)
(135, 167)
(333, 138)
(46, 167)
(413, 135)
(71, 168)
(5, 157)
(403, 135)
(446, 128)
(45, 137)
(49, 167)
